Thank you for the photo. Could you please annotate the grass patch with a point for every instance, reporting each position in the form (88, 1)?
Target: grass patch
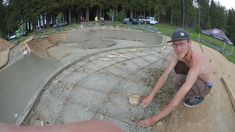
(166, 29)
(205, 39)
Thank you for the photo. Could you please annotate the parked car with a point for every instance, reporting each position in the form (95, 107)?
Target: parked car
(11, 37)
(126, 21)
(149, 20)
(17, 34)
(152, 21)
(132, 21)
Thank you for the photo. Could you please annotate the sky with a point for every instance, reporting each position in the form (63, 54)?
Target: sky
(229, 4)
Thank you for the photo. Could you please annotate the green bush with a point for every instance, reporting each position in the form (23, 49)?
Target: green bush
(208, 25)
(197, 29)
(110, 14)
(59, 17)
(120, 16)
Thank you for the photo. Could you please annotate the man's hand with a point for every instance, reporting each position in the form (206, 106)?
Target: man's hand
(148, 122)
(147, 100)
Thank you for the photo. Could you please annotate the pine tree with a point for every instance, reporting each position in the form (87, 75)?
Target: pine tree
(231, 25)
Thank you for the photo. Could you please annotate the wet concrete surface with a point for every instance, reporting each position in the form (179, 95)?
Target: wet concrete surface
(19, 82)
(15, 55)
(91, 81)
(99, 87)
(84, 79)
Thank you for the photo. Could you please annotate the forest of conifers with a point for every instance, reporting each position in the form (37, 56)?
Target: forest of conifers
(200, 14)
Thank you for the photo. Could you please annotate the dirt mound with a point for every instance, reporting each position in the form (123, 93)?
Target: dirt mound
(5, 45)
(216, 113)
(40, 46)
(4, 51)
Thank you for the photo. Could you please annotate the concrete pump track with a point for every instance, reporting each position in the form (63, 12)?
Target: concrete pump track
(90, 73)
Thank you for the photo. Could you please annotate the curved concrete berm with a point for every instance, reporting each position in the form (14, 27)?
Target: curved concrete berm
(19, 82)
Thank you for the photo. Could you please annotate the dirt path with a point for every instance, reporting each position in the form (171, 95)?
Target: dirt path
(4, 51)
(41, 46)
(216, 114)
(10, 54)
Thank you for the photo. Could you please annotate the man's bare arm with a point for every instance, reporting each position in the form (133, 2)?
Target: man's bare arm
(190, 80)
(161, 81)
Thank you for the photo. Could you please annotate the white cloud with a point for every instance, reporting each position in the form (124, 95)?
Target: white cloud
(229, 4)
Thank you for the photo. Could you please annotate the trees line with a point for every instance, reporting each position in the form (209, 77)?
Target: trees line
(199, 14)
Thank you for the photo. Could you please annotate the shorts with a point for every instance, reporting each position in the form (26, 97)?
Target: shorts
(199, 88)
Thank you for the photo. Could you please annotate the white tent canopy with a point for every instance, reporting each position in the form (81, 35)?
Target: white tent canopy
(218, 34)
